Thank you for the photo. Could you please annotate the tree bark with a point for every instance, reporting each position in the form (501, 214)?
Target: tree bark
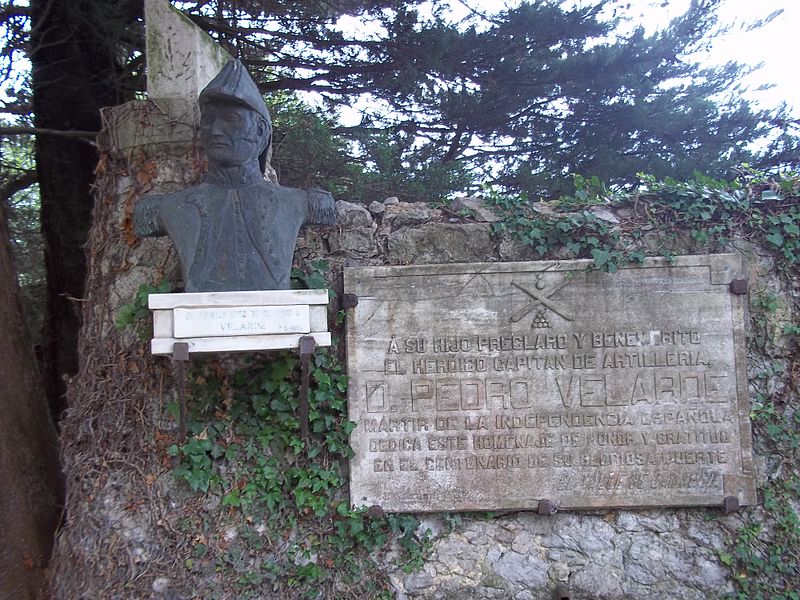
(75, 73)
(30, 476)
(113, 433)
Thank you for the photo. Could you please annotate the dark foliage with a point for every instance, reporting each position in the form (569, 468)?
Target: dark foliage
(522, 98)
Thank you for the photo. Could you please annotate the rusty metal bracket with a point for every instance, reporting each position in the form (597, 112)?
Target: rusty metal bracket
(180, 356)
(546, 507)
(561, 592)
(349, 301)
(307, 345)
(738, 287)
(730, 505)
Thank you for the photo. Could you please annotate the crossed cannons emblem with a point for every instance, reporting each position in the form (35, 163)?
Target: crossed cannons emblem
(540, 296)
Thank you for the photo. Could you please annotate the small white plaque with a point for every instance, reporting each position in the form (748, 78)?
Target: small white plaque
(241, 321)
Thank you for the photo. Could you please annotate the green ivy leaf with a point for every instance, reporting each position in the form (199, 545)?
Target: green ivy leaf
(600, 257)
(775, 238)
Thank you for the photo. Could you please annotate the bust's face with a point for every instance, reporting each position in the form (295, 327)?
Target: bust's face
(231, 134)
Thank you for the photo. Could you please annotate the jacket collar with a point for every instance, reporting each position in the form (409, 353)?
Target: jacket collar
(234, 177)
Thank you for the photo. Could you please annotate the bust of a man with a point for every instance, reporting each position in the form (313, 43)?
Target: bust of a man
(235, 230)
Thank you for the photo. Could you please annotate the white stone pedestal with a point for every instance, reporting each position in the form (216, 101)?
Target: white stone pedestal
(238, 321)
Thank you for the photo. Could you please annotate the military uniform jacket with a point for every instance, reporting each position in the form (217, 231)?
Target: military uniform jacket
(239, 238)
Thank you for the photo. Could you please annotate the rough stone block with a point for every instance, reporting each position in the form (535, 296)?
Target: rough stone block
(354, 241)
(474, 205)
(407, 215)
(441, 242)
(181, 57)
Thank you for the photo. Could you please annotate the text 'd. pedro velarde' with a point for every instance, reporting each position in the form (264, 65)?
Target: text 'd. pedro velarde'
(494, 386)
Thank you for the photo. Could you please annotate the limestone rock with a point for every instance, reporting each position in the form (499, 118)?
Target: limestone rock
(524, 570)
(653, 521)
(420, 581)
(511, 250)
(647, 560)
(409, 215)
(352, 215)
(474, 205)
(604, 214)
(356, 241)
(597, 582)
(355, 234)
(441, 242)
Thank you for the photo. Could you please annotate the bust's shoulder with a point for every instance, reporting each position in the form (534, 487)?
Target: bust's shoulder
(310, 206)
(282, 192)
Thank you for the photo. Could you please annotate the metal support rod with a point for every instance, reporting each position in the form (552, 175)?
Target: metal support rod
(307, 345)
(180, 356)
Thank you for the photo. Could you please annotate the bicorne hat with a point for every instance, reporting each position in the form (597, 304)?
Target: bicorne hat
(234, 84)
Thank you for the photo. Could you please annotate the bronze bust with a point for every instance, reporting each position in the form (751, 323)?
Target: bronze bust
(235, 230)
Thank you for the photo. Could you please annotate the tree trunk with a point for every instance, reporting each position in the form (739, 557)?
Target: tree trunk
(73, 51)
(113, 433)
(30, 475)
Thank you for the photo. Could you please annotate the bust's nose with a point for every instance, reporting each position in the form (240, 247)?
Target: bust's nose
(216, 129)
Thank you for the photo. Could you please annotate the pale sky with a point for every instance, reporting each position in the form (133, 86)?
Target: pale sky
(776, 44)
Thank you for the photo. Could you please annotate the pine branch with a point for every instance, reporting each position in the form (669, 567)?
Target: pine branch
(16, 109)
(11, 11)
(11, 187)
(69, 133)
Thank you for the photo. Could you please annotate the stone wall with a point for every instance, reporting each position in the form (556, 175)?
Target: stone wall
(128, 534)
(600, 555)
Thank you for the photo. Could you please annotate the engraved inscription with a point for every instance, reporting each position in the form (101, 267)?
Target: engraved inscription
(588, 389)
(241, 320)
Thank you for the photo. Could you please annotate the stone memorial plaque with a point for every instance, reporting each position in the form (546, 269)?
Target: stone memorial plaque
(498, 385)
(244, 320)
